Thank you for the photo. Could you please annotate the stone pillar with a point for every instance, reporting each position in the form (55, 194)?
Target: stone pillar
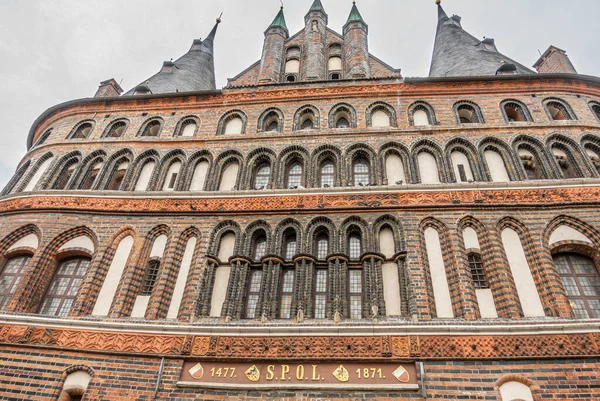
(373, 301)
(207, 283)
(233, 307)
(271, 273)
(338, 287)
(302, 304)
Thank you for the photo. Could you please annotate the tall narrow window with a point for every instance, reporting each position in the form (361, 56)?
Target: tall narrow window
(287, 292)
(65, 176)
(321, 293)
(150, 277)
(10, 278)
(90, 177)
(290, 245)
(253, 293)
(260, 248)
(263, 176)
(171, 177)
(64, 287)
(355, 293)
(118, 176)
(582, 284)
(354, 246)
(361, 172)
(327, 174)
(294, 179)
(322, 245)
(477, 271)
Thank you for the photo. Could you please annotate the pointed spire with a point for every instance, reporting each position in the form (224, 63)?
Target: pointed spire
(441, 12)
(194, 71)
(317, 6)
(279, 21)
(354, 14)
(457, 53)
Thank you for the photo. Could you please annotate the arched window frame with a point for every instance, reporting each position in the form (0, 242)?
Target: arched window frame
(183, 123)
(111, 129)
(227, 117)
(57, 180)
(44, 137)
(586, 309)
(386, 108)
(78, 129)
(337, 112)
(434, 150)
(253, 293)
(520, 108)
(12, 269)
(476, 110)
(477, 270)
(595, 109)
(306, 112)
(561, 105)
(259, 174)
(591, 143)
(355, 173)
(468, 150)
(64, 299)
(268, 117)
(91, 176)
(298, 177)
(148, 125)
(322, 244)
(427, 108)
(541, 160)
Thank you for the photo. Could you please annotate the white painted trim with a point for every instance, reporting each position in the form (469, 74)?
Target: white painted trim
(435, 327)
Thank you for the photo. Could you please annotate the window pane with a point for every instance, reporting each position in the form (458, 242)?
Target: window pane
(321, 294)
(263, 175)
(327, 174)
(253, 293)
(320, 306)
(260, 248)
(10, 278)
(251, 307)
(255, 282)
(290, 248)
(355, 281)
(322, 247)
(64, 287)
(354, 246)
(581, 282)
(361, 172)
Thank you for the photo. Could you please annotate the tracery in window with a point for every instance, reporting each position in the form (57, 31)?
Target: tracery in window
(64, 287)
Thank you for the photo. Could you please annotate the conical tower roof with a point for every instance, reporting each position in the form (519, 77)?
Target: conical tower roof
(457, 53)
(317, 6)
(279, 21)
(194, 71)
(355, 14)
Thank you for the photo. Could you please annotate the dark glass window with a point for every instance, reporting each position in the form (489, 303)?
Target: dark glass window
(10, 278)
(327, 174)
(477, 271)
(273, 126)
(150, 277)
(253, 293)
(287, 293)
(64, 287)
(361, 172)
(355, 293)
(320, 293)
(582, 284)
(263, 176)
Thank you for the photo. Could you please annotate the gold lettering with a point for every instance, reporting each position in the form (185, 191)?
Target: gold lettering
(270, 372)
(315, 376)
(285, 369)
(300, 372)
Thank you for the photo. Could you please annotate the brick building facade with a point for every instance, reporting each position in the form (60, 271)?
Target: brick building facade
(320, 228)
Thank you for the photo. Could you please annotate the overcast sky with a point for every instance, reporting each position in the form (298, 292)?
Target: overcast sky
(53, 51)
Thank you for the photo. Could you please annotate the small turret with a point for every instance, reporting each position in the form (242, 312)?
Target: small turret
(554, 61)
(109, 88)
(315, 34)
(356, 46)
(273, 49)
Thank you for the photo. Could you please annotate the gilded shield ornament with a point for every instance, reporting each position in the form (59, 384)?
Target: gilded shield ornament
(253, 374)
(341, 373)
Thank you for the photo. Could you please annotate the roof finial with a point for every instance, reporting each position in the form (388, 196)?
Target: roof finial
(219, 18)
(281, 4)
(438, 2)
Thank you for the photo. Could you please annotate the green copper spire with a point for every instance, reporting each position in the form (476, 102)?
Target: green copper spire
(354, 14)
(317, 6)
(279, 20)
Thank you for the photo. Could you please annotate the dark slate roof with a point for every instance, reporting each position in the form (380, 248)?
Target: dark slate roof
(457, 53)
(279, 20)
(194, 71)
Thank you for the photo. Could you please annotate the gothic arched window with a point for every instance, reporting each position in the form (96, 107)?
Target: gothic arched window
(262, 176)
(64, 287)
(361, 172)
(327, 174)
(581, 280)
(294, 175)
(11, 274)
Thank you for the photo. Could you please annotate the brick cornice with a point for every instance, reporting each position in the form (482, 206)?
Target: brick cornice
(408, 347)
(323, 203)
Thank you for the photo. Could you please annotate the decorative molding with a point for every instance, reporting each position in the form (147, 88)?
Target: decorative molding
(323, 202)
(357, 348)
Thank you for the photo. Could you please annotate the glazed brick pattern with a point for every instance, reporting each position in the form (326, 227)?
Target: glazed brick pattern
(37, 375)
